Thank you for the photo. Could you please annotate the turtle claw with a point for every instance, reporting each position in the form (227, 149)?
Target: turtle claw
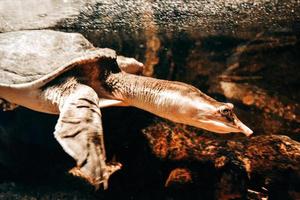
(97, 182)
(110, 169)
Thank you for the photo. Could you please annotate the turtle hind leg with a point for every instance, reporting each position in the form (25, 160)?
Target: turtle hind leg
(6, 106)
(79, 131)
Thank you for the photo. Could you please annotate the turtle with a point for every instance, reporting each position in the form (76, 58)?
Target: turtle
(64, 74)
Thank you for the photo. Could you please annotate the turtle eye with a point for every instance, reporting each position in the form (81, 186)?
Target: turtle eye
(224, 111)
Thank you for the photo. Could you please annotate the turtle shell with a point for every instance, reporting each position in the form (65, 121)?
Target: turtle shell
(38, 56)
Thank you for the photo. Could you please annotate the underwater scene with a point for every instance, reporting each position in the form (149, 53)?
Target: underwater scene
(239, 138)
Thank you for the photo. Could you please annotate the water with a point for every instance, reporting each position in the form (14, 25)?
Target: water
(245, 52)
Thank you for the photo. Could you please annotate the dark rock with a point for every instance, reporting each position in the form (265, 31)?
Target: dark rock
(234, 164)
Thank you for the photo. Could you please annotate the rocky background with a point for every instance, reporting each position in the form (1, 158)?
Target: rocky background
(241, 51)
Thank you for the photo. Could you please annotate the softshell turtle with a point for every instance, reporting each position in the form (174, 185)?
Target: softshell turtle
(62, 73)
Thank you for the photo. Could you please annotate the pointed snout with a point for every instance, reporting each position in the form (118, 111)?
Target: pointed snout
(243, 128)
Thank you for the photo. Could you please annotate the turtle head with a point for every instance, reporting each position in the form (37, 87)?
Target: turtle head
(176, 101)
(221, 119)
(204, 112)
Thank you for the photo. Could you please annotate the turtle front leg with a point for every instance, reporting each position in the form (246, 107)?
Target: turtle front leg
(130, 65)
(79, 131)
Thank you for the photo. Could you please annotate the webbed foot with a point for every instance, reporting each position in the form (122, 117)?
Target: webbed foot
(79, 131)
(110, 169)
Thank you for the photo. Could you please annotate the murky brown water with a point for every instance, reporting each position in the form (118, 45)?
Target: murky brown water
(245, 52)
